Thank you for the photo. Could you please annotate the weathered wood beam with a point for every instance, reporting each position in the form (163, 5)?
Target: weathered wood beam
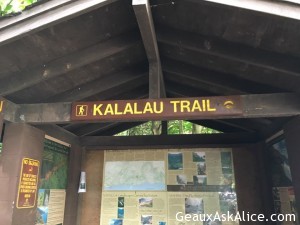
(271, 7)
(117, 129)
(254, 106)
(99, 129)
(9, 110)
(48, 17)
(143, 14)
(245, 62)
(156, 141)
(57, 131)
(45, 113)
(271, 105)
(25, 79)
(91, 129)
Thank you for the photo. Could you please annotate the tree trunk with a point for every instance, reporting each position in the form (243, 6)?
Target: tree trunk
(156, 127)
(180, 127)
(196, 129)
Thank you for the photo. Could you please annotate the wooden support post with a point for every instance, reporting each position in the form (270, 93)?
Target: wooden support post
(20, 141)
(164, 127)
(291, 133)
(145, 21)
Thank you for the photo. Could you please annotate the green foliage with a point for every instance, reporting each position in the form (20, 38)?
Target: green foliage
(174, 127)
(14, 6)
(149, 128)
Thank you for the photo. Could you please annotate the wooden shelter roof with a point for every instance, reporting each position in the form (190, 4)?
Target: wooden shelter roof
(65, 51)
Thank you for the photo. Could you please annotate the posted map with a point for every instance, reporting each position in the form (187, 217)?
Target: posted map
(134, 175)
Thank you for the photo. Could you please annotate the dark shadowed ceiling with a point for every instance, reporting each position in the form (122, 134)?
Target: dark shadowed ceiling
(206, 49)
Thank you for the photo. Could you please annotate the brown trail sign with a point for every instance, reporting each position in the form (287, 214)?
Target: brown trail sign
(157, 109)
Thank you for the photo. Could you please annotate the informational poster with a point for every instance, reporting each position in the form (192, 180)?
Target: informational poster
(53, 184)
(283, 191)
(142, 187)
(134, 208)
(28, 183)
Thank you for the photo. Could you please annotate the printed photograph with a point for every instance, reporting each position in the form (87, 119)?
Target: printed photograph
(194, 206)
(292, 199)
(116, 222)
(227, 179)
(162, 223)
(276, 195)
(42, 206)
(277, 207)
(201, 168)
(212, 222)
(200, 180)
(226, 162)
(181, 179)
(198, 156)
(54, 169)
(228, 202)
(175, 161)
(146, 202)
(121, 202)
(280, 168)
(120, 213)
(146, 220)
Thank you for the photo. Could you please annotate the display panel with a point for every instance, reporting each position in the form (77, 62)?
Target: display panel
(53, 184)
(157, 186)
(283, 190)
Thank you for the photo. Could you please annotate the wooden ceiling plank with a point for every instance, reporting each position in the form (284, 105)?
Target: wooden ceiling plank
(25, 79)
(198, 83)
(176, 89)
(250, 64)
(271, 7)
(143, 14)
(101, 85)
(218, 79)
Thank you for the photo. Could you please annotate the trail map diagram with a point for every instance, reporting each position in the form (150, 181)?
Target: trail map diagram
(134, 175)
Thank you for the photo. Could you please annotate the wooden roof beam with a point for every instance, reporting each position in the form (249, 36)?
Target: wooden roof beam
(217, 125)
(75, 60)
(271, 7)
(155, 141)
(143, 14)
(43, 17)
